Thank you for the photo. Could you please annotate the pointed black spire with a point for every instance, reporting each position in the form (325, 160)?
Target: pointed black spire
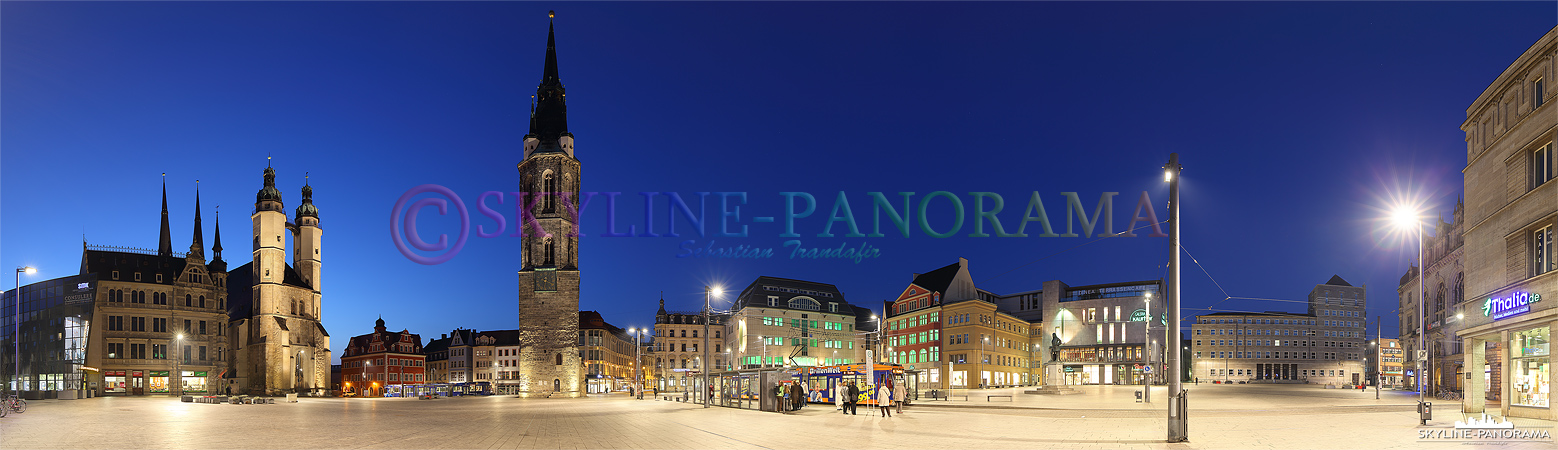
(217, 264)
(662, 304)
(549, 120)
(197, 247)
(165, 243)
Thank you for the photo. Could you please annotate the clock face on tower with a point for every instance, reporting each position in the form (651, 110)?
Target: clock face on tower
(546, 280)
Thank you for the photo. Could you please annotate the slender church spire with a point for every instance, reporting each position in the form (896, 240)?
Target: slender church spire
(217, 264)
(197, 246)
(165, 243)
(549, 120)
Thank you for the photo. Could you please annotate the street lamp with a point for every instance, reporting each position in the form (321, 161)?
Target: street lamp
(707, 293)
(1404, 218)
(16, 325)
(1177, 430)
(177, 377)
(638, 359)
(1146, 329)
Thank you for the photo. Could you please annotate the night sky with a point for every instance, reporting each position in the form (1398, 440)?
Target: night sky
(1298, 125)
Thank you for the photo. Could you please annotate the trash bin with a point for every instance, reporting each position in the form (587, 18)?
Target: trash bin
(1138, 396)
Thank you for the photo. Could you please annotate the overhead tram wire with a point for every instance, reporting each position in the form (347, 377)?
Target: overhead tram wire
(1052, 255)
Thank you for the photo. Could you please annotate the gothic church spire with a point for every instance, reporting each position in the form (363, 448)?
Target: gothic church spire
(165, 243)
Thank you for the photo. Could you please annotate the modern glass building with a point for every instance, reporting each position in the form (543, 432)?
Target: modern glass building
(55, 322)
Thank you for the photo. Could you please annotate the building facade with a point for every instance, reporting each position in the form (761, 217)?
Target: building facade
(608, 354)
(549, 363)
(1385, 363)
(789, 323)
(1324, 345)
(382, 363)
(676, 348)
(956, 335)
(279, 342)
(1511, 212)
(162, 316)
(55, 337)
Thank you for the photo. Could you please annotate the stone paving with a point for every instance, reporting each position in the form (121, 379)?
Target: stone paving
(1108, 417)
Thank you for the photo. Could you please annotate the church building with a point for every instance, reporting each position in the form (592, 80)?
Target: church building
(549, 363)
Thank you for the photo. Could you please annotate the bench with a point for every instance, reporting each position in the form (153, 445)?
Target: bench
(950, 397)
(1008, 397)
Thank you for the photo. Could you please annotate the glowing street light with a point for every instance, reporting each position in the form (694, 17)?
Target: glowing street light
(16, 325)
(1406, 218)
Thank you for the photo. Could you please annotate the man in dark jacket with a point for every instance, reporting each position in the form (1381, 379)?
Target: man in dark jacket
(853, 393)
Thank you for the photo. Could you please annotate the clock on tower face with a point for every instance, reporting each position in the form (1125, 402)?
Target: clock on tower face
(546, 280)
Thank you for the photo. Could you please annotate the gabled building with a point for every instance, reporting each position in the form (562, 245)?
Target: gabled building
(383, 363)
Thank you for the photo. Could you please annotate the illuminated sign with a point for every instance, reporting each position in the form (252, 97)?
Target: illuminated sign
(1139, 315)
(1515, 304)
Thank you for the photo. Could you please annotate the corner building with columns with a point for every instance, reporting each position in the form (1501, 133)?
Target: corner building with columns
(549, 364)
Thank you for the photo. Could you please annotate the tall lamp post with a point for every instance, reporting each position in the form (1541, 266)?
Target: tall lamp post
(638, 364)
(1146, 343)
(1405, 217)
(177, 377)
(1177, 431)
(16, 326)
(704, 365)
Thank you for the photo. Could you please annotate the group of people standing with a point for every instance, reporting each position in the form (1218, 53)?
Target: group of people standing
(888, 397)
(791, 396)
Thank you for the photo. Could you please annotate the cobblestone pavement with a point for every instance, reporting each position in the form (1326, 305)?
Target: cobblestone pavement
(1313, 419)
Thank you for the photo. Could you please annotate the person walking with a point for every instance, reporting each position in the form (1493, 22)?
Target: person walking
(884, 399)
(900, 395)
(805, 395)
(838, 396)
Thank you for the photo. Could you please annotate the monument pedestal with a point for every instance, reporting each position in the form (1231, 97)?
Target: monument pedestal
(1053, 373)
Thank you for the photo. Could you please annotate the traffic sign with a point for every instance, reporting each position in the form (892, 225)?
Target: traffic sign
(1422, 355)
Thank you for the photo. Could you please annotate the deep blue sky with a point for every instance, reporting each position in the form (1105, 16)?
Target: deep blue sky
(1296, 122)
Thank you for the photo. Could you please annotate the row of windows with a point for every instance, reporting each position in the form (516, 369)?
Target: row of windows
(1301, 372)
(1279, 343)
(1277, 355)
(1243, 321)
(160, 325)
(914, 321)
(116, 350)
(916, 338)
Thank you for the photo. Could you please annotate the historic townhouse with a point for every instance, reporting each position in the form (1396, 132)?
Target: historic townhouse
(383, 363)
(676, 341)
(163, 316)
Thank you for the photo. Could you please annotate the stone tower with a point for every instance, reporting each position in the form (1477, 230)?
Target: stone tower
(549, 275)
(281, 346)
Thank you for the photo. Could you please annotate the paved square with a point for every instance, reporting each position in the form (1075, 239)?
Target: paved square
(1101, 417)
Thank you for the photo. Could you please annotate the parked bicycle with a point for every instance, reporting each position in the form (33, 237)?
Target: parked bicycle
(1446, 394)
(14, 403)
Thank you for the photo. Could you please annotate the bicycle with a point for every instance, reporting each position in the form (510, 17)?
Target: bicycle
(1448, 395)
(14, 403)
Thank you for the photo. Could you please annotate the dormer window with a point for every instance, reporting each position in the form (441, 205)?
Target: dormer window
(137, 276)
(116, 275)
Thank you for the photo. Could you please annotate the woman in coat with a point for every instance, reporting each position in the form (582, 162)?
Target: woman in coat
(884, 399)
(900, 395)
(839, 392)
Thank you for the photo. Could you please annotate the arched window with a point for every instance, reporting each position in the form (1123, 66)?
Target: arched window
(189, 300)
(548, 191)
(551, 250)
(202, 301)
(559, 359)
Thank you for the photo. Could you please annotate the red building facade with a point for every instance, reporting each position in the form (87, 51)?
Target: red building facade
(382, 363)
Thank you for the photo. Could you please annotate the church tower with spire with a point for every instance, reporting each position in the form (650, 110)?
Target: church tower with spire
(280, 344)
(549, 251)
